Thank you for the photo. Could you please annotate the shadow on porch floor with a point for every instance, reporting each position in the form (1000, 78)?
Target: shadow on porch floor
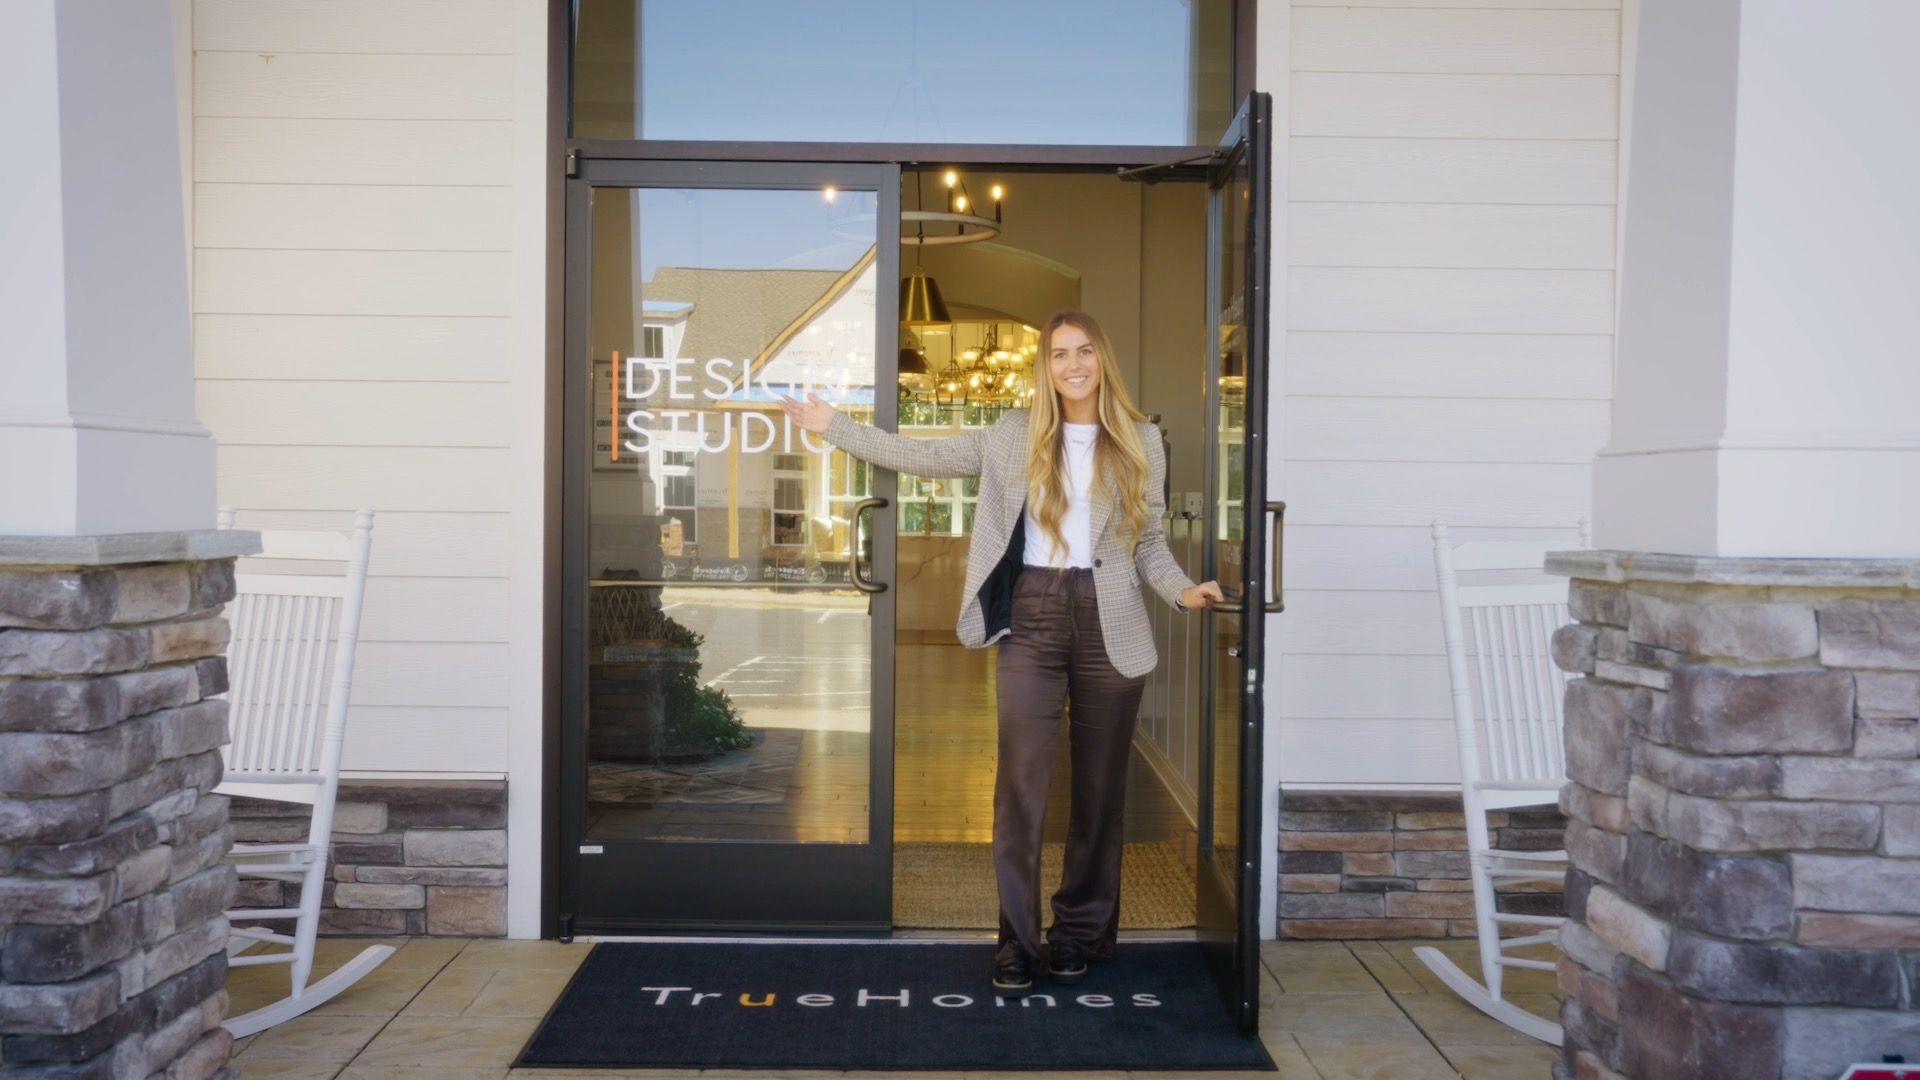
(459, 1009)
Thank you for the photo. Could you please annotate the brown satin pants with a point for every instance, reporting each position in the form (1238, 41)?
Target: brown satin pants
(1055, 656)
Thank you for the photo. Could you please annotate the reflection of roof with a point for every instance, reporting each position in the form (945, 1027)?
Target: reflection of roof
(736, 312)
(664, 307)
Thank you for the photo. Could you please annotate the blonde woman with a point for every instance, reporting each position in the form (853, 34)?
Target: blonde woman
(1066, 529)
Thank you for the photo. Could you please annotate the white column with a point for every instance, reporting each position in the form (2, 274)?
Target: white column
(1767, 384)
(97, 428)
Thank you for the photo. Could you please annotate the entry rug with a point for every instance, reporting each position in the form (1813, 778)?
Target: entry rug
(651, 1005)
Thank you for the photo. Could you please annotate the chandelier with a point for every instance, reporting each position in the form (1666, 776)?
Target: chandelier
(962, 213)
(989, 374)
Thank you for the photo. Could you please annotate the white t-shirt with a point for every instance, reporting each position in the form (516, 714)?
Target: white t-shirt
(1077, 526)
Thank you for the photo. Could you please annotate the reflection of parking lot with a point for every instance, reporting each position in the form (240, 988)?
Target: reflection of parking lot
(693, 569)
(787, 659)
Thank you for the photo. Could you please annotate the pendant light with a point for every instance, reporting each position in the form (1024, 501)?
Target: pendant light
(913, 358)
(920, 302)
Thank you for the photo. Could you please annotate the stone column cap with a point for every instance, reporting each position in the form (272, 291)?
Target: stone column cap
(197, 545)
(1613, 565)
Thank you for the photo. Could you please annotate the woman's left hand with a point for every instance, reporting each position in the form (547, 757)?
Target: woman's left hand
(1202, 595)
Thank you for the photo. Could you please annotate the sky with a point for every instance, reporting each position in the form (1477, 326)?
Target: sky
(735, 229)
(1015, 71)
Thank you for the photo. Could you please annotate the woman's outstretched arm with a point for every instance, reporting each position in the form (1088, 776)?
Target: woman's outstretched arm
(947, 456)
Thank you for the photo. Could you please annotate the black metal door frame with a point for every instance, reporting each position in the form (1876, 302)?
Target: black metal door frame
(732, 885)
(1227, 899)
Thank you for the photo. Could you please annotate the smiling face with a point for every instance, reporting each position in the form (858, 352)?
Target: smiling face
(1074, 365)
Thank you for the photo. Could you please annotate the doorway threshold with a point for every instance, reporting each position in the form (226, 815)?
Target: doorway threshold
(898, 937)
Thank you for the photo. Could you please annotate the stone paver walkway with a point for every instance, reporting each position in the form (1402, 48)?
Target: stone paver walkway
(459, 1009)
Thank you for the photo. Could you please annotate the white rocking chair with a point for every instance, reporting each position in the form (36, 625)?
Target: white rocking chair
(1519, 709)
(288, 714)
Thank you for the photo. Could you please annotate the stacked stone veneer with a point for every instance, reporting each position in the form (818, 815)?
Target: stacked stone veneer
(408, 857)
(112, 884)
(1360, 864)
(1744, 810)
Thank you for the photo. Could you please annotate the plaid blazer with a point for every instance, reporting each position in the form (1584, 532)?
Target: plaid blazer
(998, 456)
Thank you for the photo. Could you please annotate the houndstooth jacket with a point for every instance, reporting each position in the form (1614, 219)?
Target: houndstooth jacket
(998, 456)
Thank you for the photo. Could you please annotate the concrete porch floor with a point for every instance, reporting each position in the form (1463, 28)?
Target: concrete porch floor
(459, 1009)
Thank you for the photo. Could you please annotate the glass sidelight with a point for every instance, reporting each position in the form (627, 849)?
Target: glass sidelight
(727, 747)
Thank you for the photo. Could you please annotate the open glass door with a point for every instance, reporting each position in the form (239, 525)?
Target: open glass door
(1228, 877)
(727, 742)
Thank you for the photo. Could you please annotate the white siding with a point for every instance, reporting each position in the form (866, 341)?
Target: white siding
(1449, 231)
(354, 275)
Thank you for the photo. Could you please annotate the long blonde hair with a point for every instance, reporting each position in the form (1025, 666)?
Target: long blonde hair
(1119, 455)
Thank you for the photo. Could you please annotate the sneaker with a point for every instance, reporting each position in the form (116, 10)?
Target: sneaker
(1068, 963)
(1012, 974)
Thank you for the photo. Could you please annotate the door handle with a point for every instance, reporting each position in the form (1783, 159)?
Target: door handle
(861, 581)
(1278, 511)
(1278, 535)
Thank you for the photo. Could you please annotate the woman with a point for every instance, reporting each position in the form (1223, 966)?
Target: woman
(1066, 528)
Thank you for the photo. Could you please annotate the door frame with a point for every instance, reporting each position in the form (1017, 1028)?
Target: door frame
(839, 887)
(1227, 909)
(561, 150)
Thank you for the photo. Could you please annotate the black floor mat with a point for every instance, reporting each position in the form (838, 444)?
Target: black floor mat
(897, 1006)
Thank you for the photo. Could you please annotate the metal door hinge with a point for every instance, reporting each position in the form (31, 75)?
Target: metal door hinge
(573, 163)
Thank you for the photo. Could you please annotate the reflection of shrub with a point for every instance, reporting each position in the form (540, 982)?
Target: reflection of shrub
(657, 625)
(699, 719)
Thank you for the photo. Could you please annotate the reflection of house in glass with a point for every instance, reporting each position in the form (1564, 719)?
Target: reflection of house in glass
(742, 493)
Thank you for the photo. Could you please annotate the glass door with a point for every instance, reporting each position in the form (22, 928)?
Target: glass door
(727, 743)
(1228, 876)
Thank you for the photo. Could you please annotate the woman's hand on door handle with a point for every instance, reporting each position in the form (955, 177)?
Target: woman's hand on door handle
(814, 416)
(1202, 595)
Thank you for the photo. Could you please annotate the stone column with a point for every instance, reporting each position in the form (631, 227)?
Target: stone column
(1744, 795)
(1743, 757)
(112, 884)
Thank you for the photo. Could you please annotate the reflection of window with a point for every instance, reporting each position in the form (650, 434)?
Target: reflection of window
(952, 499)
(851, 478)
(1233, 420)
(676, 490)
(653, 342)
(789, 509)
(915, 515)
(1234, 497)
(927, 414)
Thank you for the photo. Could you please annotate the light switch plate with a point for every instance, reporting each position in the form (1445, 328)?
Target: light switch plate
(1191, 502)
